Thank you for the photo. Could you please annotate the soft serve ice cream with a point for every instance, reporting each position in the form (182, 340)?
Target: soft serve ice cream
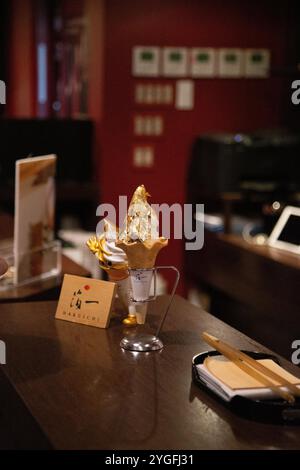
(109, 255)
(114, 261)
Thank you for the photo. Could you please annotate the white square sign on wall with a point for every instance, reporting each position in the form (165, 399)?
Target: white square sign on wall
(203, 62)
(257, 63)
(175, 61)
(145, 61)
(230, 63)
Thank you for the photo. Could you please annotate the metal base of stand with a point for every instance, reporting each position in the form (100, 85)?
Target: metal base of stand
(142, 343)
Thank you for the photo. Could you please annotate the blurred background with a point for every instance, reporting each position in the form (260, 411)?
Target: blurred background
(75, 89)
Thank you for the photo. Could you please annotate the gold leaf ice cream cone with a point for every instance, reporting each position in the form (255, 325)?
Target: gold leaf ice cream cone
(141, 242)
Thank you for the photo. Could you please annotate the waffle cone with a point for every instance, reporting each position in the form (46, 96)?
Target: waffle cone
(115, 275)
(142, 254)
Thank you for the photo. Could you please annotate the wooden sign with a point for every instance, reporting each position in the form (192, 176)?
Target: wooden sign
(86, 301)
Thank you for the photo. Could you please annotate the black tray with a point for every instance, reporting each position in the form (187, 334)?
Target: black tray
(275, 410)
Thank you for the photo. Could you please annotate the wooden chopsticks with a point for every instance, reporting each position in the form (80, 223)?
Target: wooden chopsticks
(254, 368)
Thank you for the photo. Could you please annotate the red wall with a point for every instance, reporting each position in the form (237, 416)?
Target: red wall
(220, 104)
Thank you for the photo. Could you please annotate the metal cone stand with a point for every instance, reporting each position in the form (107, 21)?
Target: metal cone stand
(142, 342)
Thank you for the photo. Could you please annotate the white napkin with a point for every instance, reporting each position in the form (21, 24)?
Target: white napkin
(227, 393)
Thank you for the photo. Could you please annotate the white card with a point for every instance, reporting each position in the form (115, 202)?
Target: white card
(257, 63)
(184, 95)
(145, 61)
(203, 62)
(175, 61)
(230, 63)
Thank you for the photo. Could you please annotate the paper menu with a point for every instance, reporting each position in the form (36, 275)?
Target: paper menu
(34, 216)
(228, 380)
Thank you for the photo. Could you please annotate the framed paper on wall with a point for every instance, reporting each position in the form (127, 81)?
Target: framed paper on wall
(203, 62)
(145, 61)
(257, 63)
(230, 63)
(175, 61)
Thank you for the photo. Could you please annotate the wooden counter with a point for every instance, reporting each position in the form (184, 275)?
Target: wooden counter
(253, 288)
(67, 386)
